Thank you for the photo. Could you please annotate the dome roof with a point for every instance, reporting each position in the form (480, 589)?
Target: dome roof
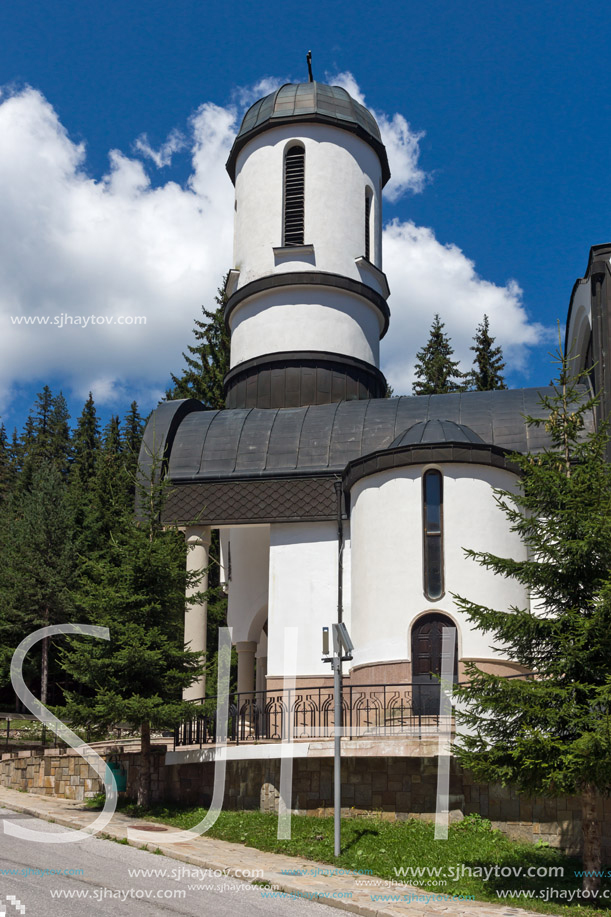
(309, 102)
(436, 431)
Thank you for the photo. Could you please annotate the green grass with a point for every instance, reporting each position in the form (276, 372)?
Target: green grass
(370, 843)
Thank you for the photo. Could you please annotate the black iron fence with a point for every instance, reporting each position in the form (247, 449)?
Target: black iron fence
(308, 713)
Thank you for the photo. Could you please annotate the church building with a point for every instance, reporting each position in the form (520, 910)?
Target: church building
(330, 498)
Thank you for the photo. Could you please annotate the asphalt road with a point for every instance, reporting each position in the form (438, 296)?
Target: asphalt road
(100, 877)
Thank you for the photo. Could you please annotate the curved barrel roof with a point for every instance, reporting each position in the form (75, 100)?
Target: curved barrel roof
(253, 442)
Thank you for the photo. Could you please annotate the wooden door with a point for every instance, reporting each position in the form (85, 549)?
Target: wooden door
(427, 656)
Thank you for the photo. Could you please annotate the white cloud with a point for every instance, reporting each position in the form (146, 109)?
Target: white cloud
(245, 96)
(426, 277)
(162, 156)
(401, 142)
(114, 247)
(124, 246)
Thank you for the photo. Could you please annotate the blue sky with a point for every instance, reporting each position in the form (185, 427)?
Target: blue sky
(505, 163)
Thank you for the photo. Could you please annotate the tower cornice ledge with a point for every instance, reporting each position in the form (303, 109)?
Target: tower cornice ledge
(310, 279)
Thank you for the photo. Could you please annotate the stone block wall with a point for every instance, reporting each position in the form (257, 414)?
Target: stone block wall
(52, 773)
(65, 773)
(396, 788)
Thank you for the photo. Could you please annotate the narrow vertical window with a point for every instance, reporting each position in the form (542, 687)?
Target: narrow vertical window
(368, 224)
(294, 195)
(432, 511)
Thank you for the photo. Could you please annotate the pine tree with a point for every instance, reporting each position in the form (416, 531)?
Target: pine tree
(46, 436)
(7, 467)
(111, 485)
(488, 362)
(38, 566)
(131, 437)
(137, 590)
(15, 451)
(24, 451)
(86, 444)
(58, 448)
(42, 416)
(86, 450)
(550, 734)
(208, 360)
(436, 372)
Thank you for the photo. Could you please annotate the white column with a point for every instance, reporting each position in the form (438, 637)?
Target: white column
(196, 613)
(246, 650)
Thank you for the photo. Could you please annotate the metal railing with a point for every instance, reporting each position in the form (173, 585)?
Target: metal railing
(384, 710)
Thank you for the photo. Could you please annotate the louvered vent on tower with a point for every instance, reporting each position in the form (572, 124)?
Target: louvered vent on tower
(294, 195)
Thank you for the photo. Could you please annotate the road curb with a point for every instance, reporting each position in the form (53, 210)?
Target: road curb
(276, 880)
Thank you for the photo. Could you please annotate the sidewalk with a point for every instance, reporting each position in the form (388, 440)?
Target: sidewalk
(207, 853)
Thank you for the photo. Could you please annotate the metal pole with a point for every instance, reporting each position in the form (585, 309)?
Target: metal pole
(337, 687)
(340, 551)
(337, 675)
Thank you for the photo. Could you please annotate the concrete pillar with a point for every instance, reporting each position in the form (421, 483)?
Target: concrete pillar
(246, 667)
(196, 613)
(260, 682)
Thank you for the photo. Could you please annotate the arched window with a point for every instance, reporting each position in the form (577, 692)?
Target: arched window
(368, 198)
(294, 195)
(428, 661)
(432, 526)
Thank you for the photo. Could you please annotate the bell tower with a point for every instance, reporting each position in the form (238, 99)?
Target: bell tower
(307, 296)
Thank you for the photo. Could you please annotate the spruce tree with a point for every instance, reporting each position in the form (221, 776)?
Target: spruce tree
(58, 449)
(86, 444)
(137, 590)
(46, 437)
(38, 569)
(15, 451)
(133, 428)
(7, 467)
(207, 361)
(488, 365)
(131, 437)
(436, 372)
(24, 451)
(111, 485)
(550, 734)
(42, 416)
(86, 449)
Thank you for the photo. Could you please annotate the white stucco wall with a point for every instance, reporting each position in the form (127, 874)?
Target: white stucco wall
(300, 318)
(303, 592)
(338, 168)
(247, 591)
(387, 565)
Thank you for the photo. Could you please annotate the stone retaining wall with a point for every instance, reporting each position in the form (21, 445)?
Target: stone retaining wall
(52, 773)
(396, 788)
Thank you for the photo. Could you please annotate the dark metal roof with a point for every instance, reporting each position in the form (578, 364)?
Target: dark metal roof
(309, 102)
(295, 99)
(436, 431)
(318, 439)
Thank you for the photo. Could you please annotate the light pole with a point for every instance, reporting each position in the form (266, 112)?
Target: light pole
(342, 652)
